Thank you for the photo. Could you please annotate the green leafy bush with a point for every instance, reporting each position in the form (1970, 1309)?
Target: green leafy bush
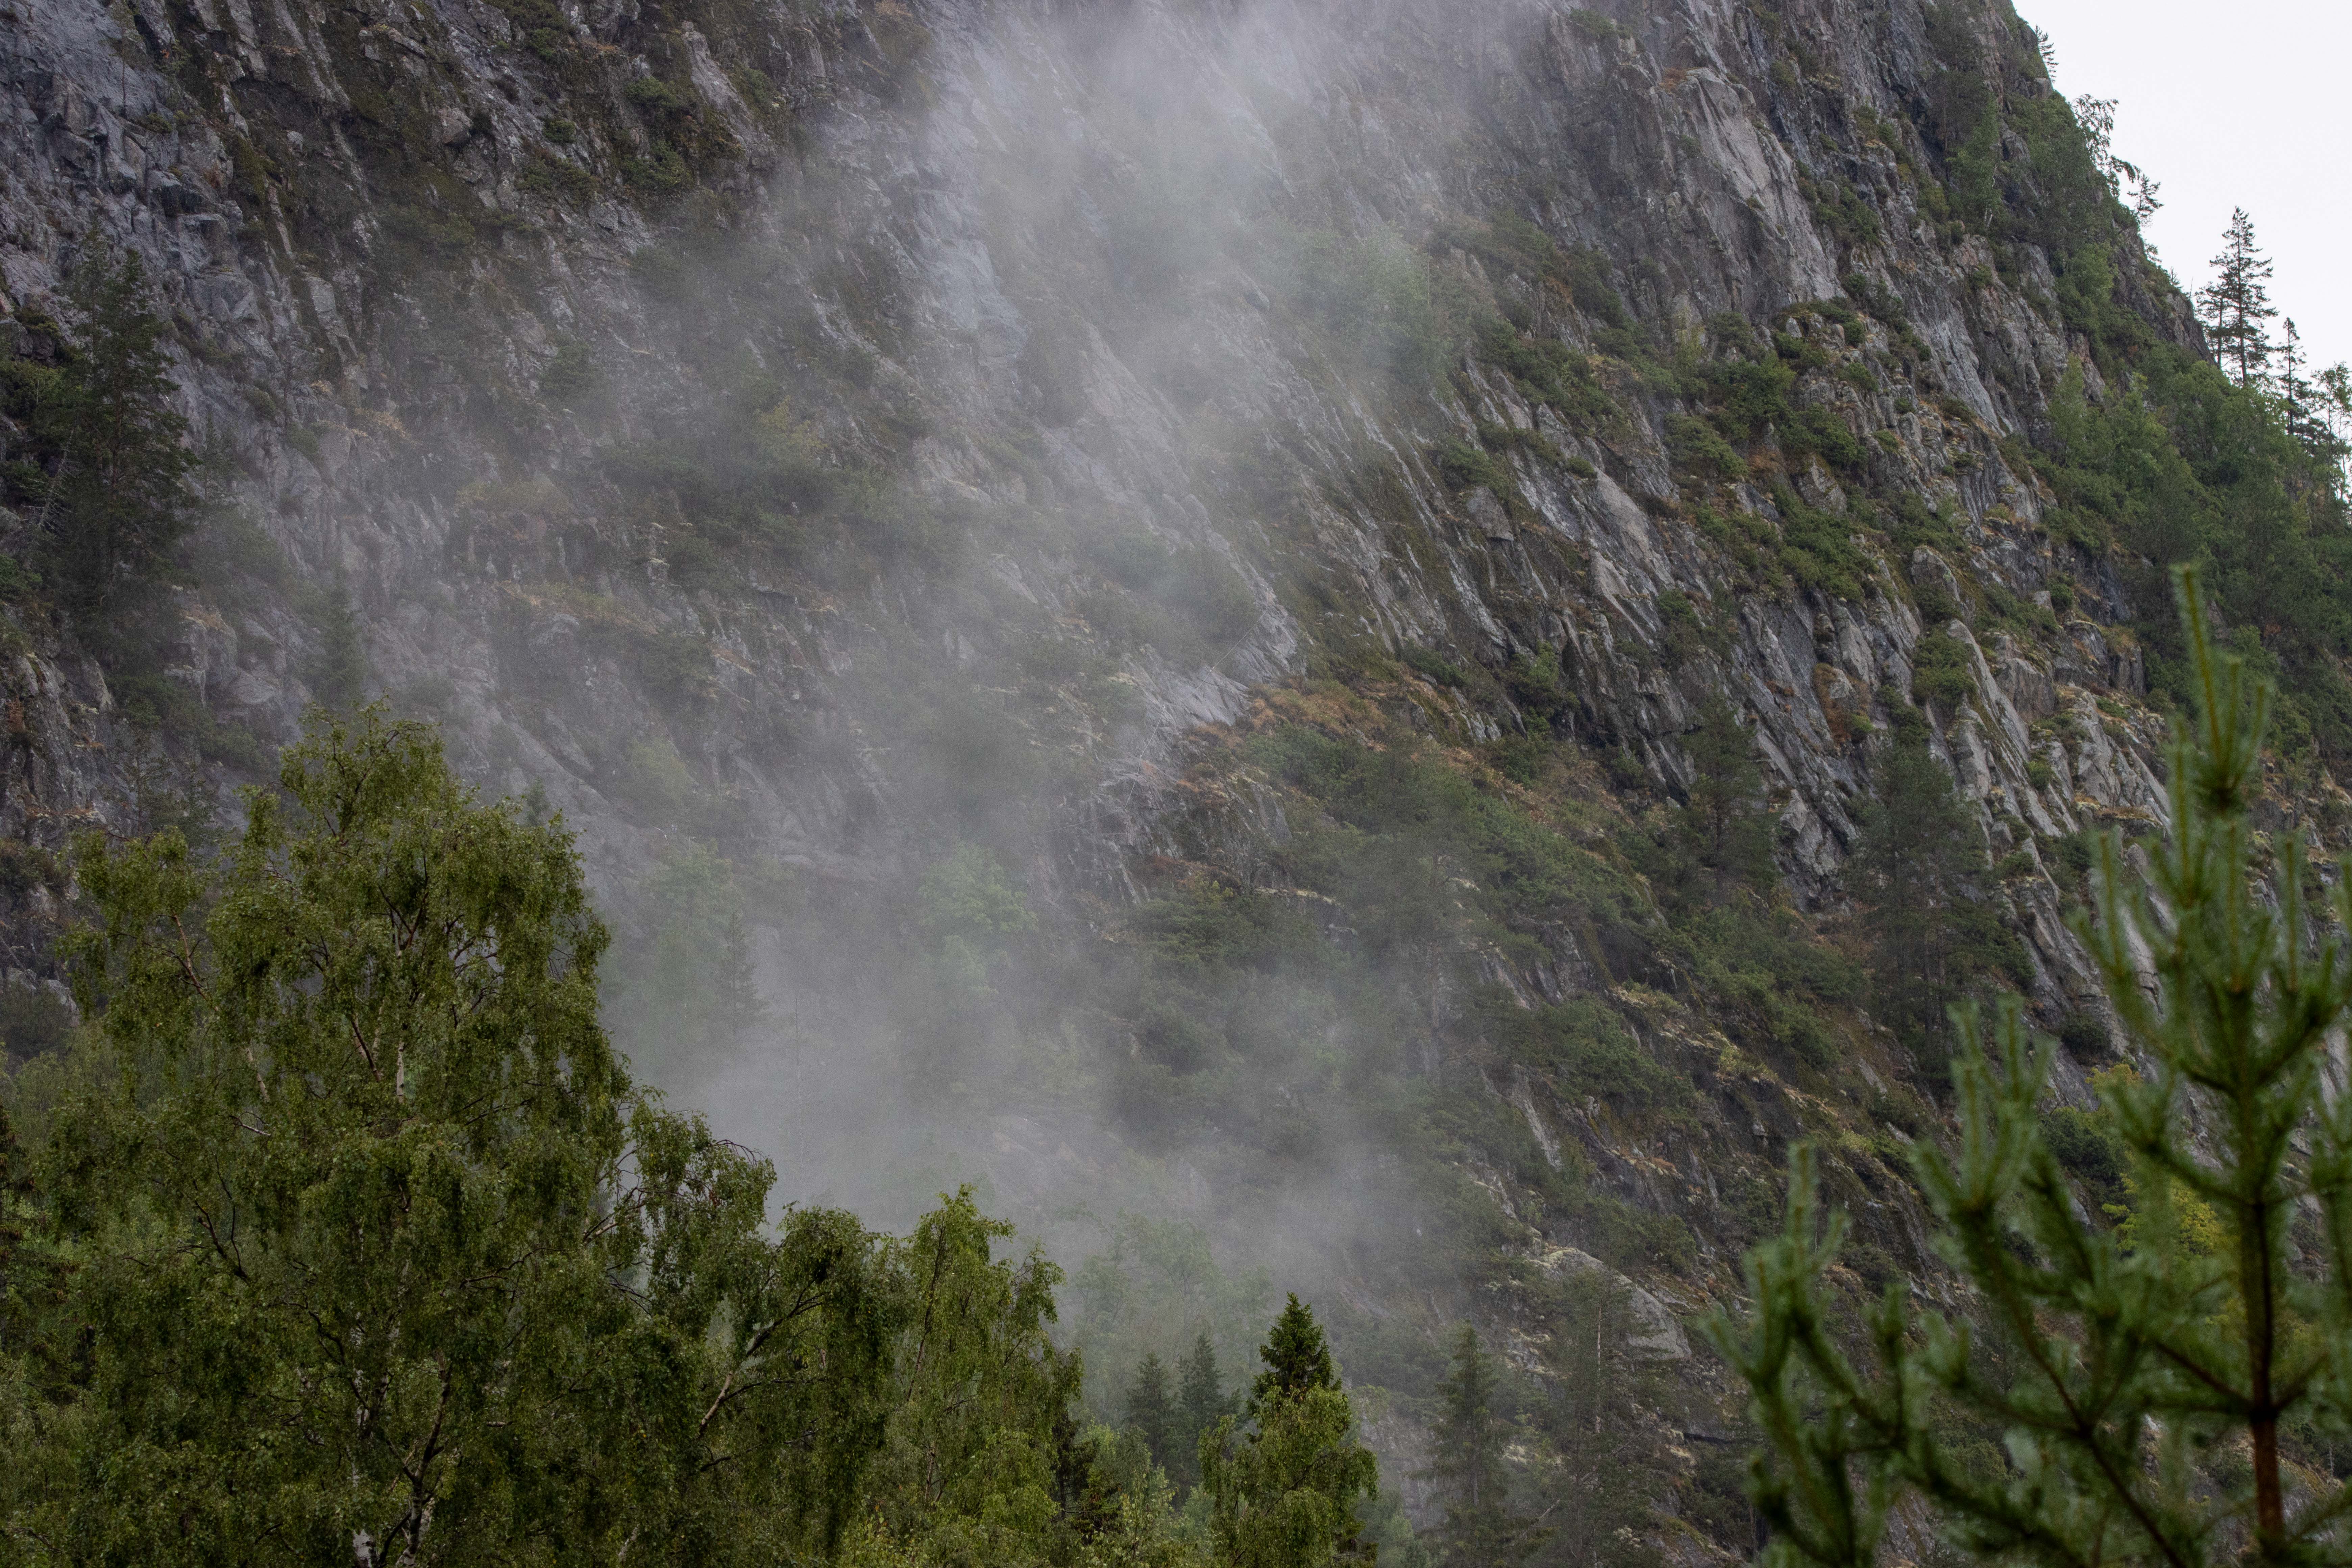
(1463, 466)
(1696, 447)
(1374, 298)
(1435, 666)
(1941, 671)
(651, 95)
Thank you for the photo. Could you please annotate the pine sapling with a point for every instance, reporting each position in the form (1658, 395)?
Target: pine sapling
(2143, 1377)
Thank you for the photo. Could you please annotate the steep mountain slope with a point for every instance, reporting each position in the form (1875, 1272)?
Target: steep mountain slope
(1159, 566)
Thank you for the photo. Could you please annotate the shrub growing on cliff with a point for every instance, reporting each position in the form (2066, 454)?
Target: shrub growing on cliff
(2169, 1389)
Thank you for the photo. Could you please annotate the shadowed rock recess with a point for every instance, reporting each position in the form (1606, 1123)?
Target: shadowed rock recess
(1122, 598)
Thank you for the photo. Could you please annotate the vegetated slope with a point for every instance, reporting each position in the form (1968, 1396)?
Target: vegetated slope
(1176, 580)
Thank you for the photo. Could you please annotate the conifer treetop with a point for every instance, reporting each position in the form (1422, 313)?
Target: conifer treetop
(1297, 1359)
(2236, 306)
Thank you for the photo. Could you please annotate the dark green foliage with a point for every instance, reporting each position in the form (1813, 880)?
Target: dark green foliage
(2085, 1037)
(1698, 448)
(653, 97)
(1817, 548)
(1584, 1050)
(1596, 27)
(2181, 466)
(976, 1458)
(1878, 300)
(1406, 820)
(1941, 671)
(111, 475)
(1151, 1412)
(533, 16)
(1919, 869)
(1201, 1401)
(1822, 433)
(348, 1236)
(1762, 970)
(2088, 299)
(1843, 210)
(2237, 307)
(337, 675)
(1586, 274)
(34, 1020)
(1601, 1518)
(1750, 396)
(1723, 831)
(1297, 1359)
(1547, 371)
(1435, 666)
(158, 704)
(24, 867)
(2085, 1142)
(330, 1276)
(570, 376)
(1463, 466)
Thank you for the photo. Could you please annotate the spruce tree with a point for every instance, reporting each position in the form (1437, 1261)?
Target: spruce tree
(2165, 1389)
(1150, 1411)
(122, 494)
(2312, 403)
(1201, 1403)
(1916, 869)
(1296, 1358)
(1480, 1529)
(2331, 397)
(338, 676)
(2236, 305)
(1723, 829)
(2295, 390)
(1283, 1493)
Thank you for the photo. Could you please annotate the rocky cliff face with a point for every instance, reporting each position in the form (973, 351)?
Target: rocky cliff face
(830, 433)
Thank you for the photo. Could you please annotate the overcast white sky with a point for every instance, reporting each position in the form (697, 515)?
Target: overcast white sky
(2240, 104)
